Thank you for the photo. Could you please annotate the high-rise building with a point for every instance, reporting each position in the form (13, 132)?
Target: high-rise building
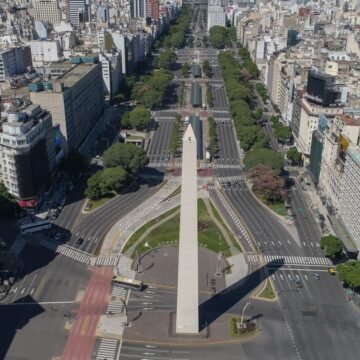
(47, 10)
(216, 14)
(27, 152)
(14, 61)
(152, 9)
(78, 11)
(75, 100)
(138, 8)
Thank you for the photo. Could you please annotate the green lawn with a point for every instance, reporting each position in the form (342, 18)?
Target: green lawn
(137, 234)
(219, 218)
(168, 233)
(277, 207)
(235, 332)
(268, 292)
(93, 204)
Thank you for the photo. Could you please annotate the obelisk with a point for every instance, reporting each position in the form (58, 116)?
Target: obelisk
(187, 309)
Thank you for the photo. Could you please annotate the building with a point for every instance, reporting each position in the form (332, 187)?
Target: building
(111, 73)
(75, 100)
(138, 8)
(14, 61)
(216, 14)
(152, 9)
(47, 10)
(45, 51)
(78, 11)
(27, 152)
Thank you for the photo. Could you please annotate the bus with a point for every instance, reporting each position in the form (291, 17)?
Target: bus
(129, 283)
(35, 226)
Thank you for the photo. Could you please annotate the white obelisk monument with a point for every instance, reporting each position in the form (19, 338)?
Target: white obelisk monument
(187, 309)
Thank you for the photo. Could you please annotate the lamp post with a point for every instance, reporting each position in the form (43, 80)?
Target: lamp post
(242, 325)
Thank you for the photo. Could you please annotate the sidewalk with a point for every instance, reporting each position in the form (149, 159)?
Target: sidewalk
(239, 269)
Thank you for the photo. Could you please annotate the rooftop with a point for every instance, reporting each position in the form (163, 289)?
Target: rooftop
(349, 120)
(71, 77)
(354, 153)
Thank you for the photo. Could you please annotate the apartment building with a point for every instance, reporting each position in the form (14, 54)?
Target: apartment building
(14, 61)
(75, 100)
(47, 10)
(27, 152)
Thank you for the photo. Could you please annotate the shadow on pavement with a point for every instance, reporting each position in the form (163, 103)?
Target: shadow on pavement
(14, 318)
(213, 308)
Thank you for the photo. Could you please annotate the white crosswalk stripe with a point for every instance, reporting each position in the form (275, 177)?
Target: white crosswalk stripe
(17, 246)
(66, 250)
(231, 178)
(232, 166)
(116, 304)
(107, 261)
(297, 260)
(107, 349)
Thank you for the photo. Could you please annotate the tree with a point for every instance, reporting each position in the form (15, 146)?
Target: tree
(207, 68)
(332, 246)
(114, 178)
(140, 118)
(95, 186)
(7, 203)
(205, 41)
(217, 40)
(125, 120)
(166, 59)
(267, 157)
(128, 156)
(267, 183)
(185, 68)
(349, 272)
(294, 155)
(74, 163)
(177, 40)
(282, 133)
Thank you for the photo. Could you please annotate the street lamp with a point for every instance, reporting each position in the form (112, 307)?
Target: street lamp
(242, 325)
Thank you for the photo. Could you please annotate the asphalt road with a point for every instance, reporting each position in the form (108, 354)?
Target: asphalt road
(158, 149)
(219, 97)
(228, 153)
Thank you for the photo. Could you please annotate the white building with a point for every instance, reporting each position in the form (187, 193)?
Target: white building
(111, 73)
(27, 152)
(216, 14)
(47, 10)
(45, 51)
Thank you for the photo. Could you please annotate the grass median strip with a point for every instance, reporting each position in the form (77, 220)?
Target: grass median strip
(267, 292)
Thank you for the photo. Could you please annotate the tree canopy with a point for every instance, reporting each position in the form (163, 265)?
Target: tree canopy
(206, 68)
(7, 203)
(220, 36)
(349, 272)
(264, 156)
(294, 155)
(140, 118)
(128, 156)
(332, 246)
(166, 59)
(185, 68)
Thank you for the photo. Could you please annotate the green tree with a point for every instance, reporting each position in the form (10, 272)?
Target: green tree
(125, 120)
(205, 41)
(140, 117)
(294, 155)
(349, 272)
(217, 40)
(166, 59)
(7, 202)
(95, 186)
(128, 156)
(185, 68)
(282, 132)
(206, 68)
(114, 178)
(74, 163)
(332, 246)
(177, 40)
(267, 157)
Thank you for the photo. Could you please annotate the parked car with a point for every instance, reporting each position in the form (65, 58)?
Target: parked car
(316, 276)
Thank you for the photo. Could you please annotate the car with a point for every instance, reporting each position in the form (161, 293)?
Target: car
(297, 283)
(316, 276)
(79, 241)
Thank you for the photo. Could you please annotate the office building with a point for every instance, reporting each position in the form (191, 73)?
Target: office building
(216, 14)
(14, 61)
(45, 51)
(75, 100)
(138, 8)
(78, 11)
(47, 10)
(27, 152)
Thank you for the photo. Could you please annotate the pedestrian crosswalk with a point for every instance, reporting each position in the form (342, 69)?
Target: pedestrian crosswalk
(227, 166)
(116, 303)
(290, 260)
(107, 349)
(200, 179)
(235, 218)
(66, 250)
(231, 178)
(17, 246)
(106, 261)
